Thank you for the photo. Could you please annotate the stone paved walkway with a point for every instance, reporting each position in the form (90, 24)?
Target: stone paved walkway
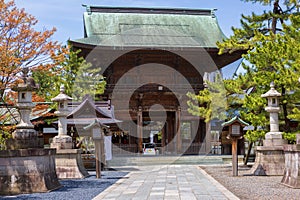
(167, 182)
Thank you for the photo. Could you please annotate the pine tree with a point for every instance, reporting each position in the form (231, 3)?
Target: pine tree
(88, 81)
(271, 41)
(209, 103)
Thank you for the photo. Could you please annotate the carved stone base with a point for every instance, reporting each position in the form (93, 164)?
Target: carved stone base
(24, 139)
(27, 171)
(291, 177)
(69, 164)
(274, 142)
(62, 142)
(271, 159)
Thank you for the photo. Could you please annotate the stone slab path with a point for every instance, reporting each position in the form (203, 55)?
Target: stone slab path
(167, 182)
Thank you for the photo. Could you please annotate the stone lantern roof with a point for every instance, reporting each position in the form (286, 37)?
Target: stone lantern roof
(62, 96)
(28, 83)
(272, 92)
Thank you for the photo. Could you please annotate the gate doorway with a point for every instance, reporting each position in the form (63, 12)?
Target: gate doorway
(160, 130)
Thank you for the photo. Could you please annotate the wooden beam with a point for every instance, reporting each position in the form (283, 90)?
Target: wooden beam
(178, 130)
(140, 129)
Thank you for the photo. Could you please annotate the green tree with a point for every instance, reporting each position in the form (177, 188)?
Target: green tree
(21, 46)
(88, 81)
(63, 73)
(210, 102)
(271, 41)
(79, 78)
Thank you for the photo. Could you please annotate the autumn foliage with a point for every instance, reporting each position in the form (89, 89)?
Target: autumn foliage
(21, 46)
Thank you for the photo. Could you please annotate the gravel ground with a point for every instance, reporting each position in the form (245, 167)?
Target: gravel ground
(252, 187)
(76, 189)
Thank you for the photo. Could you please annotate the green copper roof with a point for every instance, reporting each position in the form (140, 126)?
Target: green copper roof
(150, 27)
(235, 119)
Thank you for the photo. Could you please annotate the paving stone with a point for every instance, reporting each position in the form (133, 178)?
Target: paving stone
(167, 182)
(204, 197)
(189, 197)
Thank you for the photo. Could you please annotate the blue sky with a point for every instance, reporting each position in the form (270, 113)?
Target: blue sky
(66, 15)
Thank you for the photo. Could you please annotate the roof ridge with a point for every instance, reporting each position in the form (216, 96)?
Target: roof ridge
(150, 10)
(91, 103)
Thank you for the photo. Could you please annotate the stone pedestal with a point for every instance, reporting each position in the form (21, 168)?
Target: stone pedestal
(270, 159)
(69, 164)
(62, 142)
(24, 139)
(274, 142)
(291, 176)
(27, 171)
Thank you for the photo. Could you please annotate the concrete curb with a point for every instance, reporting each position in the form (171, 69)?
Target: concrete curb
(111, 188)
(225, 191)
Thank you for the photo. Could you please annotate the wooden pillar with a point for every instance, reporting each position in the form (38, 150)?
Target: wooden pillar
(208, 137)
(98, 157)
(178, 131)
(140, 129)
(234, 157)
(163, 139)
(102, 150)
(98, 137)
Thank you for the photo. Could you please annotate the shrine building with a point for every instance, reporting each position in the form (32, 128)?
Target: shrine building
(151, 58)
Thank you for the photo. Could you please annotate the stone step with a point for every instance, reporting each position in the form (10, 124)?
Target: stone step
(173, 160)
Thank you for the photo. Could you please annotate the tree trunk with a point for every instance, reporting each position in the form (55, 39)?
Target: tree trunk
(248, 153)
(287, 127)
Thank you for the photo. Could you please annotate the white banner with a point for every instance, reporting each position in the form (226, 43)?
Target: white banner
(107, 146)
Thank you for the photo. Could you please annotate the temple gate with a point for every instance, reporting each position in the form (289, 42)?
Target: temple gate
(151, 58)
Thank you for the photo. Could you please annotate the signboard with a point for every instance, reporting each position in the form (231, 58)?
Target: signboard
(235, 130)
(96, 133)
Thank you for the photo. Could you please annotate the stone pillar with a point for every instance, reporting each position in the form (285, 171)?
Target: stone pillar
(270, 157)
(178, 130)
(68, 161)
(140, 129)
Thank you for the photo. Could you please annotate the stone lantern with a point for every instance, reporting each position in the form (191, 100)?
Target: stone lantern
(26, 167)
(62, 140)
(270, 157)
(25, 136)
(68, 160)
(273, 108)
